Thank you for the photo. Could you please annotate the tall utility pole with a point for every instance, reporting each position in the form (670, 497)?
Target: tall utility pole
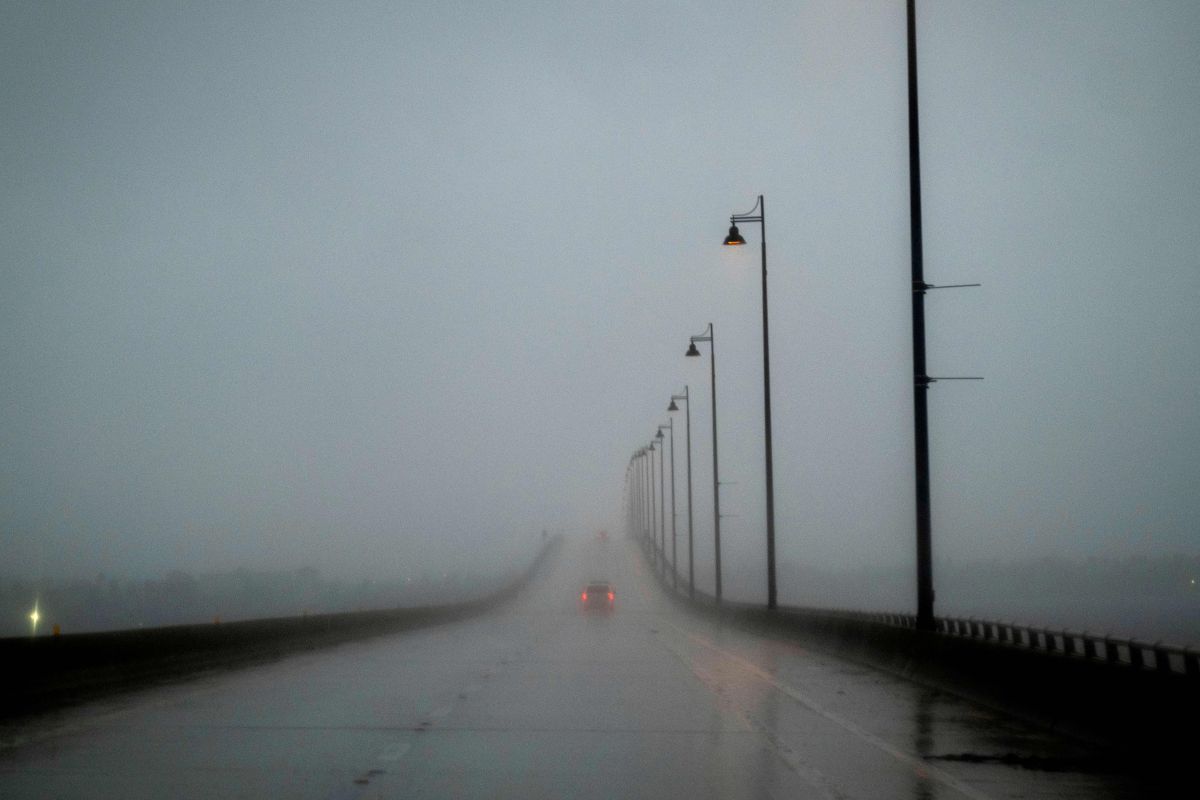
(920, 377)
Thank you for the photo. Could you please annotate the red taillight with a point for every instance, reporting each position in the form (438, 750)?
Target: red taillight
(584, 597)
(610, 597)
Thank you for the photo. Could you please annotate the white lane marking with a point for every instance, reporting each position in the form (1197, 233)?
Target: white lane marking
(915, 762)
(816, 779)
(394, 752)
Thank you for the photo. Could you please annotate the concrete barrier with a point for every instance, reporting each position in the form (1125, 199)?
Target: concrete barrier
(48, 672)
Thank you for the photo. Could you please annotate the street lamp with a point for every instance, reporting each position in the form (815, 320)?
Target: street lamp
(734, 238)
(632, 473)
(633, 476)
(625, 498)
(653, 501)
(688, 437)
(692, 352)
(643, 499)
(647, 501)
(662, 496)
(670, 426)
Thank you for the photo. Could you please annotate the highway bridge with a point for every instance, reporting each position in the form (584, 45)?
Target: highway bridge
(538, 698)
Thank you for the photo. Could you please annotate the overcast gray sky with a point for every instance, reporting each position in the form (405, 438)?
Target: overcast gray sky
(373, 285)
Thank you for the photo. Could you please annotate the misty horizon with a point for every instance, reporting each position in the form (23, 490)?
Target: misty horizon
(387, 287)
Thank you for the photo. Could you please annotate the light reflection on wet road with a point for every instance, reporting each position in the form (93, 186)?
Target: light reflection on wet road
(540, 700)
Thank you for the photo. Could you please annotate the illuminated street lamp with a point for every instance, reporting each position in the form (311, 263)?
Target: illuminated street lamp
(692, 352)
(34, 616)
(734, 238)
(688, 437)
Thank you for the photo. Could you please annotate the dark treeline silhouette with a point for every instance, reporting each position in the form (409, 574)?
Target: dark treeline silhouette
(108, 603)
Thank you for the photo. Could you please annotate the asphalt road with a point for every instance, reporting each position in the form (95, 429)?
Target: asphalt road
(538, 699)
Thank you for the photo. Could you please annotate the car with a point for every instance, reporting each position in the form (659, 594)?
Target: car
(597, 596)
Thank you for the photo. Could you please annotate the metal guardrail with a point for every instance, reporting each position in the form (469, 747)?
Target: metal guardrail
(1131, 653)
(1128, 653)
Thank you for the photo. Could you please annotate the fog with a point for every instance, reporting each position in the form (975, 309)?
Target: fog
(388, 288)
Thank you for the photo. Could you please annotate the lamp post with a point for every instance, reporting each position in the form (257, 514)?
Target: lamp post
(634, 476)
(709, 336)
(629, 498)
(639, 517)
(643, 499)
(646, 498)
(670, 426)
(688, 437)
(653, 503)
(662, 496)
(634, 527)
(734, 238)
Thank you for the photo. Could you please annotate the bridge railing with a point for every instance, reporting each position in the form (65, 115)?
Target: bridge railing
(1133, 653)
(1130, 653)
(1128, 693)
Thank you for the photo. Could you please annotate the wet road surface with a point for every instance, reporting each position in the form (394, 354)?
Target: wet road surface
(538, 699)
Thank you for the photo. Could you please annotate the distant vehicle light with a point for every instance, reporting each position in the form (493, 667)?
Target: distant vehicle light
(597, 596)
(34, 616)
